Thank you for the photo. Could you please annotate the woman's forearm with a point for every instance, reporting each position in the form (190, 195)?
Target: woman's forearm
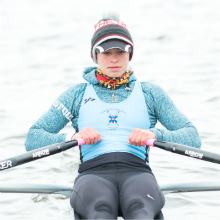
(187, 135)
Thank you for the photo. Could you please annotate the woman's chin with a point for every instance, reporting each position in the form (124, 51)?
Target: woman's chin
(114, 73)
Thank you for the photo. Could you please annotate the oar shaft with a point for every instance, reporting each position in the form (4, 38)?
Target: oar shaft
(39, 153)
(185, 150)
(57, 148)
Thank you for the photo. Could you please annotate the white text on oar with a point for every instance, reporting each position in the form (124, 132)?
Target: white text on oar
(5, 164)
(194, 154)
(41, 153)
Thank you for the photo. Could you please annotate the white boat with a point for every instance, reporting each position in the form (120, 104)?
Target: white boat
(67, 188)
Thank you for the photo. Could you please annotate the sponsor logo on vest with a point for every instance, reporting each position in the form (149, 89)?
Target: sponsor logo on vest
(89, 99)
(193, 154)
(59, 106)
(113, 118)
(5, 164)
(41, 153)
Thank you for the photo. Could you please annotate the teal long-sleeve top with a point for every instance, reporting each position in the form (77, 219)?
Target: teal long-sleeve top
(177, 127)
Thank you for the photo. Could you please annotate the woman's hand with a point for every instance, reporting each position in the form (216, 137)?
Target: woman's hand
(90, 135)
(138, 137)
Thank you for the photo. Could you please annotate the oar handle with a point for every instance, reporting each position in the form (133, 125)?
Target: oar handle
(80, 141)
(150, 142)
(39, 153)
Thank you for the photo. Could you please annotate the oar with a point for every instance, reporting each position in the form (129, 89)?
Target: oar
(39, 153)
(185, 150)
(57, 148)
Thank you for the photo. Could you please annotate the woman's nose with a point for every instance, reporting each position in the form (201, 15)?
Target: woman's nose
(114, 58)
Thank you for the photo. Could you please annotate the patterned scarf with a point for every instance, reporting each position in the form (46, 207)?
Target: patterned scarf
(112, 83)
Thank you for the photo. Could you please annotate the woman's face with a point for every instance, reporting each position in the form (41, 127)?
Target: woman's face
(113, 62)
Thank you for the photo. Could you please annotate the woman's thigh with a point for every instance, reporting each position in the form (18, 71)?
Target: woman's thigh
(94, 197)
(141, 197)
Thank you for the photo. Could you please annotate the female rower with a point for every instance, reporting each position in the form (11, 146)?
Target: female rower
(115, 114)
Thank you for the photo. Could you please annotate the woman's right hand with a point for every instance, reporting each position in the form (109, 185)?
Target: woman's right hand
(89, 134)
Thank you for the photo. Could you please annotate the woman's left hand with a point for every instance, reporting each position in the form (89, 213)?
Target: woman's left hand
(138, 137)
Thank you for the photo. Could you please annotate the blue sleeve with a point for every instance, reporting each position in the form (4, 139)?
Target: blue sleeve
(65, 109)
(178, 127)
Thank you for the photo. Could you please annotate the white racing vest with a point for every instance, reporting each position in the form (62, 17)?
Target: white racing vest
(114, 121)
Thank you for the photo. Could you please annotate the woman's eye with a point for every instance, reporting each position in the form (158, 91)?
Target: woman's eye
(121, 52)
(106, 53)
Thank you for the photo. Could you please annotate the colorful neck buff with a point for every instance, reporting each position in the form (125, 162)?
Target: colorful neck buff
(112, 83)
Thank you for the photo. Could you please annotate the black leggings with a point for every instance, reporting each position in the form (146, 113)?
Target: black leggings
(118, 189)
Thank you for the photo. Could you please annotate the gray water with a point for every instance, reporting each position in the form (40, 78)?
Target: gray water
(44, 46)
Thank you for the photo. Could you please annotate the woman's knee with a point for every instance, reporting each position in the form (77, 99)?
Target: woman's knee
(141, 197)
(94, 197)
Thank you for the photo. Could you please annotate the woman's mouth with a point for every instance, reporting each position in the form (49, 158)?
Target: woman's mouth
(114, 67)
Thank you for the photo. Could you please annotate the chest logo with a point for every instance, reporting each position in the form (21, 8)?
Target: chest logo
(89, 99)
(113, 117)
